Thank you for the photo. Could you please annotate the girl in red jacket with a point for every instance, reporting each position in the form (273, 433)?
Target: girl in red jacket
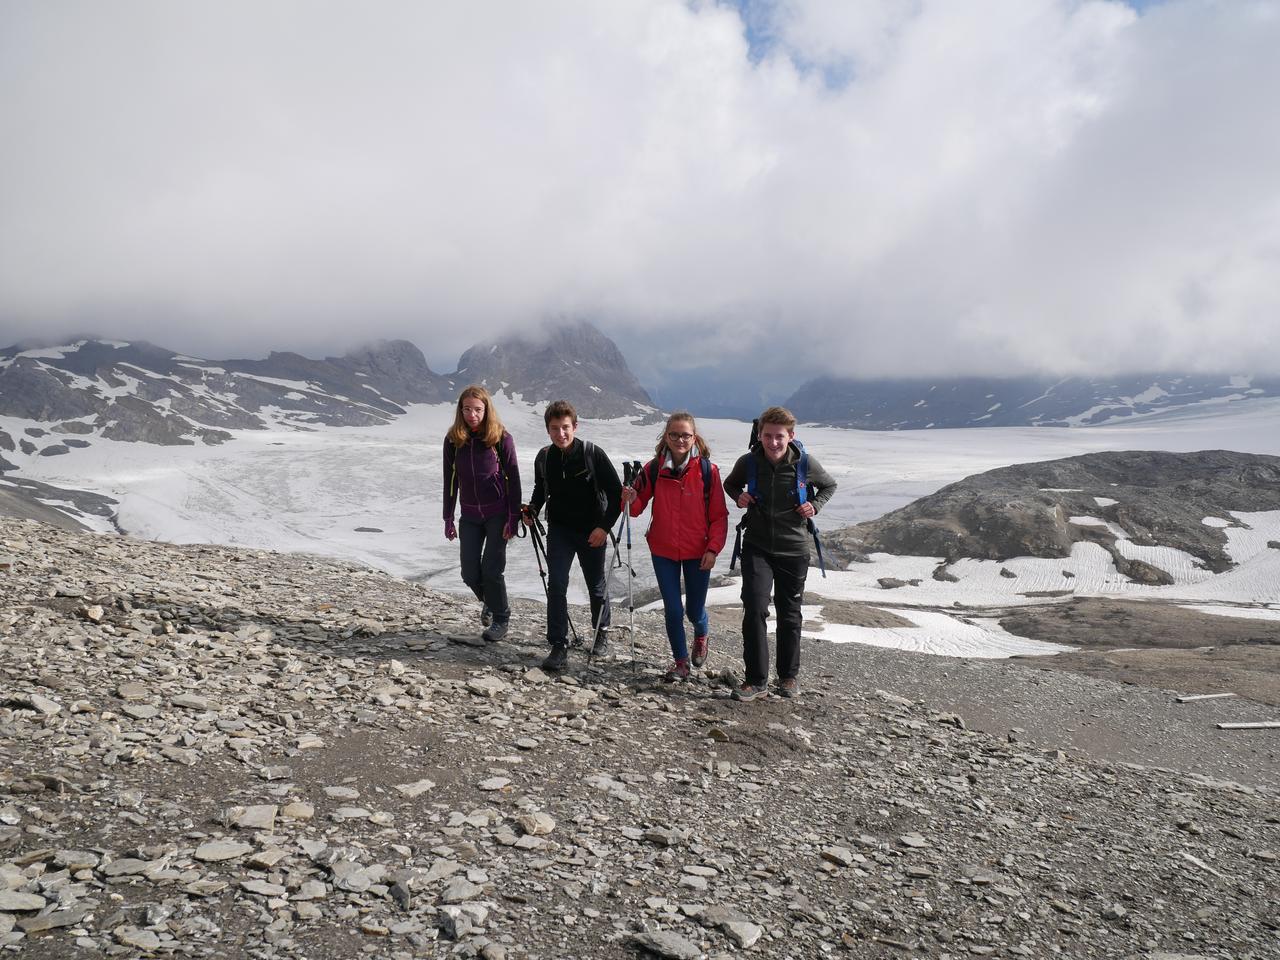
(689, 526)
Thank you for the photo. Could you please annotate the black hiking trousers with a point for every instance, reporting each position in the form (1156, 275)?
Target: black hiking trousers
(764, 574)
(483, 557)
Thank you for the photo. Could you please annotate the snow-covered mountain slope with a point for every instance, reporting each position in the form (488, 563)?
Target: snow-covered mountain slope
(71, 396)
(91, 390)
(1021, 401)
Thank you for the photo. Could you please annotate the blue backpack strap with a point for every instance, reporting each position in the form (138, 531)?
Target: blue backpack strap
(802, 496)
(706, 489)
(802, 474)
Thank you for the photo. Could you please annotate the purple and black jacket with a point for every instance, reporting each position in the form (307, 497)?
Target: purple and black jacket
(484, 481)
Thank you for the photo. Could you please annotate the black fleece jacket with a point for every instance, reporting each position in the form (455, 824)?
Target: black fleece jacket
(563, 483)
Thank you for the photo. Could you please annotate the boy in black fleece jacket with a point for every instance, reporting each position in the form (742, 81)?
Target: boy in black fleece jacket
(580, 513)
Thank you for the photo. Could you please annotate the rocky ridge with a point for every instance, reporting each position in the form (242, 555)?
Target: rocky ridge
(225, 752)
(916, 404)
(1027, 510)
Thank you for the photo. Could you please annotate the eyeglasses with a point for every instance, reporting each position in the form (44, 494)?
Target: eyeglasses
(679, 437)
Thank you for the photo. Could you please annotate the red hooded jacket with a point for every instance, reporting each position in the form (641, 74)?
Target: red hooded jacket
(684, 525)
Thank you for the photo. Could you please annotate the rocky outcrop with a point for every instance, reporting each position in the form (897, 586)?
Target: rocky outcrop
(1012, 401)
(572, 361)
(1152, 498)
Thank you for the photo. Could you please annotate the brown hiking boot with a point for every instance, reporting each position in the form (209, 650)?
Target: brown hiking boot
(700, 650)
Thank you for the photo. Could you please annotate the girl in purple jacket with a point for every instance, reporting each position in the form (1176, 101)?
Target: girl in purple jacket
(481, 474)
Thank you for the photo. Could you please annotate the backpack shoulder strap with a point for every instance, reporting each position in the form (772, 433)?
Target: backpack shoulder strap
(753, 472)
(706, 487)
(802, 473)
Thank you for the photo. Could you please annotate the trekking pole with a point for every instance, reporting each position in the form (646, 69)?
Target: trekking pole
(630, 471)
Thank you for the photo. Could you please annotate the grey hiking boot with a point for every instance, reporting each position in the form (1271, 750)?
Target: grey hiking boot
(600, 649)
(788, 688)
(749, 691)
(557, 659)
(495, 631)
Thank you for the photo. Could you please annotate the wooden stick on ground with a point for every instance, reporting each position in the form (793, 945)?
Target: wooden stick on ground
(1260, 725)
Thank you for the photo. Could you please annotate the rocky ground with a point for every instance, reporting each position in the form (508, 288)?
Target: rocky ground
(227, 753)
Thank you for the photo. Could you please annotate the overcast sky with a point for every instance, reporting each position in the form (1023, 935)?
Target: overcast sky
(878, 188)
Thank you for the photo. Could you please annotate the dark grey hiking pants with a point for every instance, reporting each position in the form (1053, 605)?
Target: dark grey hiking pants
(484, 560)
(783, 577)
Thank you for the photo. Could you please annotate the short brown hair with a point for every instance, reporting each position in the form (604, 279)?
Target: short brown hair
(780, 416)
(558, 410)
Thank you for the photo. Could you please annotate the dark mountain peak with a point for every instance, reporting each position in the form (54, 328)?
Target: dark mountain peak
(568, 360)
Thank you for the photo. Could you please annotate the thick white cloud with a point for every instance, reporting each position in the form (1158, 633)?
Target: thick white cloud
(885, 187)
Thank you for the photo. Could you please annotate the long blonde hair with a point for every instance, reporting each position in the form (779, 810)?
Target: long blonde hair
(491, 428)
(700, 446)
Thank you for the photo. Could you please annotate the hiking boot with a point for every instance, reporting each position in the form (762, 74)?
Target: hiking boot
(600, 649)
(495, 631)
(749, 691)
(557, 659)
(486, 616)
(700, 645)
(788, 688)
(677, 671)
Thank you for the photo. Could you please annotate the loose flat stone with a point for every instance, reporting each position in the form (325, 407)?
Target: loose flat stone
(742, 933)
(441, 869)
(266, 859)
(537, 824)
(310, 890)
(76, 859)
(262, 888)
(131, 691)
(218, 850)
(205, 888)
(351, 877)
(350, 813)
(298, 811)
(527, 743)
(840, 856)
(308, 741)
(913, 840)
(258, 817)
(415, 789)
(342, 793)
(486, 686)
(11, 901)
(668, 945)
(459, 889)
(494, 783)
(275, 773)
(34, 701)
(191, 701)
(126, 867)
(52, 921)
(133, 937)
(139, 711)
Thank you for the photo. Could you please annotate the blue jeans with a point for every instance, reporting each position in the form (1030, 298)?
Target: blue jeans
(696, 582)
